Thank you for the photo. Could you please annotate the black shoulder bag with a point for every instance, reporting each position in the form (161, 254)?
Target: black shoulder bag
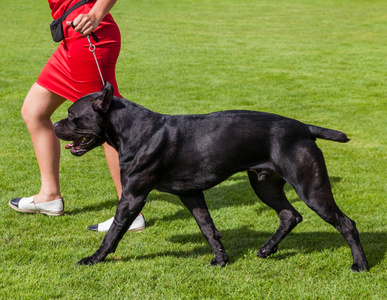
(56, 25)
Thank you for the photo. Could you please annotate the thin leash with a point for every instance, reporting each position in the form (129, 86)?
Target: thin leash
(92, 50)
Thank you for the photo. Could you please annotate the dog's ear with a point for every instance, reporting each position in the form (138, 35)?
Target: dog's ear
(103, 100)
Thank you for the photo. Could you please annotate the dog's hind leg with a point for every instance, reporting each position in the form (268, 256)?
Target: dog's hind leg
(196, 204)
(270, 189)
(309, 177)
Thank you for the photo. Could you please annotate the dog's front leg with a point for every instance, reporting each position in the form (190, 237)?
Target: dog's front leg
(127, 210)
(198, 208)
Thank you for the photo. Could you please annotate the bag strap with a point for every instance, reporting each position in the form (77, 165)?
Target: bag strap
(72, 8)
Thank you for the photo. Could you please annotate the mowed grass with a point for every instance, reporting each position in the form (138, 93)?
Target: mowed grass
(322, 62)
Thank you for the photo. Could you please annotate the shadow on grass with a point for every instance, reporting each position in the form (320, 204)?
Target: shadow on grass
(94, 207)
(242, 241)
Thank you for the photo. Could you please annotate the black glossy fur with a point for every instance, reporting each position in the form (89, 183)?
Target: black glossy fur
(186, 154)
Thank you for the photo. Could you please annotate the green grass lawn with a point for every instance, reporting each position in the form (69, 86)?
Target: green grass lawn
(322, 62)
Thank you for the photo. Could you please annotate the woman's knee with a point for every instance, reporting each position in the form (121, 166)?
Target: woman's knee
(26, 112)
(39, 104)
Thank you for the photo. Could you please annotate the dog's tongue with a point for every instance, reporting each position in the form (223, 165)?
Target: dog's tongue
(69, 146)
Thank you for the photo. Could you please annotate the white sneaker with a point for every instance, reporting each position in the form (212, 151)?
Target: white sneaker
(137, 225)
(27, 205)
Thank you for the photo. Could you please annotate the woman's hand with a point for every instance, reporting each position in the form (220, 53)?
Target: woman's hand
(84, 24)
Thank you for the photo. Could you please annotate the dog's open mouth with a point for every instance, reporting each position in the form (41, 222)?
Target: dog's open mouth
(81, 146)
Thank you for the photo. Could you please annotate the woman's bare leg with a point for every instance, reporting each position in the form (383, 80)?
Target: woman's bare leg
(37, 109)
(112, 159)
(113, 163)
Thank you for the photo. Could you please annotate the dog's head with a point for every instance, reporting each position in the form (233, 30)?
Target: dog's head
(85, 124)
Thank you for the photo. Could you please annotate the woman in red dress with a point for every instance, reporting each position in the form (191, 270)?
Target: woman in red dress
(70, 73)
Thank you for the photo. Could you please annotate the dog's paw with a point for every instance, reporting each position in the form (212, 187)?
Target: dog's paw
(220, 260)
(265, 251)
(360, 267)
(87, 261)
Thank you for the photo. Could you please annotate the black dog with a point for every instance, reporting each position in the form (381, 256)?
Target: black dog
(184, 155)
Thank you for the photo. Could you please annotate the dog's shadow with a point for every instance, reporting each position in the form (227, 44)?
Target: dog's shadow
(240, 242)
(243, 241)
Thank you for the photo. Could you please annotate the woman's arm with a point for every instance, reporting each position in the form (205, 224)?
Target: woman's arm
(86, 23)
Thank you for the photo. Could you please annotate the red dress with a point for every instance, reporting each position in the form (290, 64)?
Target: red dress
(72, 72)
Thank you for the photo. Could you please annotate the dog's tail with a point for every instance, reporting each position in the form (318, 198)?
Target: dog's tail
(328, 134)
